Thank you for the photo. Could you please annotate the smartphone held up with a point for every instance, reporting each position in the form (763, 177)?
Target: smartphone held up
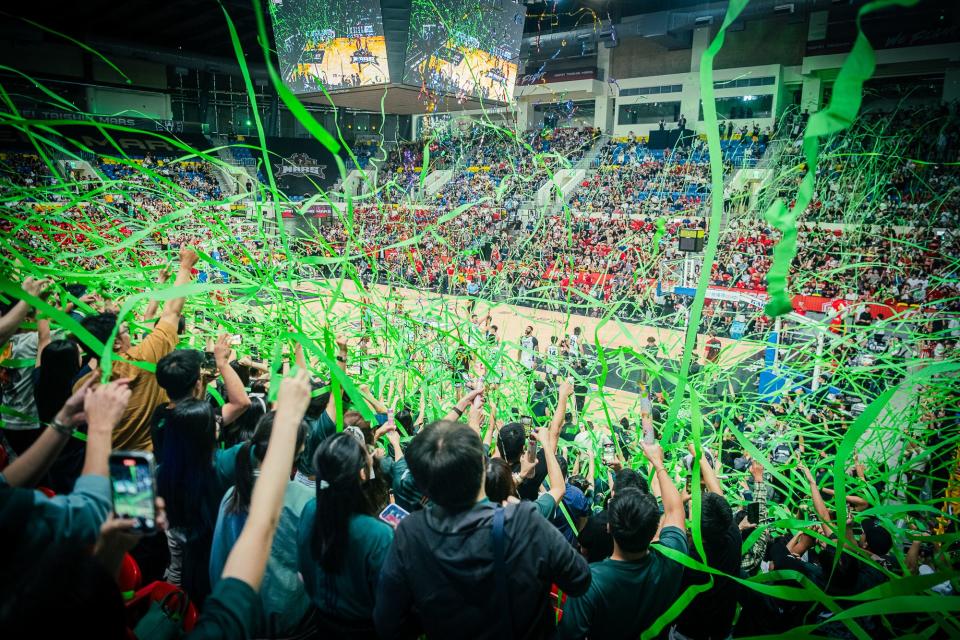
(132, 479)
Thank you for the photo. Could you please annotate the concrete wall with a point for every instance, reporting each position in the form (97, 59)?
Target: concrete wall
(783, 39)
(644, 57)
(137, 104)
(142, 73)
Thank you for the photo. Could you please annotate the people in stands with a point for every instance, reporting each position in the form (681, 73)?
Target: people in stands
(133, 432)
(342, 544)
(492, 526)
(180, 375)
(711, 613)
(283, 597)
(469, 563)
(636, 584)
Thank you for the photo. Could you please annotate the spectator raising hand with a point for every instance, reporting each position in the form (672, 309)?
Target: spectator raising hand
(232, 610)
(11, 320)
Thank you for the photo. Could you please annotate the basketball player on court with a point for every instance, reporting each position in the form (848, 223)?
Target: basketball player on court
(527, 354)
(552, 358)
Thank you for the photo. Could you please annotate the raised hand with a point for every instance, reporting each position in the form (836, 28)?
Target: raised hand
(35, 286)
(294, 395)
(72, 412)
(653, 453)
(188, 257)
(222, 349)
(104, 405)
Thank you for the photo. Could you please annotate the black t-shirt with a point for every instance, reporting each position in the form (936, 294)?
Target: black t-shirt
(595, 541)
(710, 614)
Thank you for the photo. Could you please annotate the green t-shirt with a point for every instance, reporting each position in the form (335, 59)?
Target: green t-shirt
(546, 505)
(625, 598)
(348, 594)
(318, 430)
(233, 610)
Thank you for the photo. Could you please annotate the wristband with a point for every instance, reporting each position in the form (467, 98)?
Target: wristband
(458, 411)
(62, 429)
(341, 359)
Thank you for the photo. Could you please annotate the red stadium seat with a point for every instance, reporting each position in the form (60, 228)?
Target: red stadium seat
(130, 577)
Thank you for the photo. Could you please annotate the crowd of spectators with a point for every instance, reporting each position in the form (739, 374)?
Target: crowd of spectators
(512, 519)
(193, 177)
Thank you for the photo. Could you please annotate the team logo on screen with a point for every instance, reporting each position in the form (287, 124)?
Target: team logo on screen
(363, 56)
(301, 164)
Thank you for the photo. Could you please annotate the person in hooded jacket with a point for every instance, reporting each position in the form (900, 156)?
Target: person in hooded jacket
(467, 566)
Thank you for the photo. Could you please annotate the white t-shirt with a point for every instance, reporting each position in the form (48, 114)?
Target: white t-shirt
(592, 439)
(944, 588)
(16, 386)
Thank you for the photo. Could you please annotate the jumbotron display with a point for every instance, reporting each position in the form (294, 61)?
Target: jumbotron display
(467, 48)
(333, 44)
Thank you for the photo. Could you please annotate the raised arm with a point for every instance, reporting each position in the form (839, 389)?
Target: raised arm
(342, 353)
(10, 321)
(818, 504)
(342, 363)
(371, 399)
(673, 515)
(554, 474)
(174, 307)
(560, 413)
(475, 418)
(248, 559)
(461, 407)
(707, 472)
(151, 310)
(491, 425)
(103, 406)
(237, 399)
(32, 466)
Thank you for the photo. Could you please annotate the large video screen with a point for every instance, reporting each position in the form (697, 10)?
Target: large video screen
(335, 44)
(467, 48)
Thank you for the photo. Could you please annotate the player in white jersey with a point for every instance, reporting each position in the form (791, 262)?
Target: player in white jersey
(575, 349)
(527, 354)
(552, 359)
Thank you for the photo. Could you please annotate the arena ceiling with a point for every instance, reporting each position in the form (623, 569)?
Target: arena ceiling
(197, 27)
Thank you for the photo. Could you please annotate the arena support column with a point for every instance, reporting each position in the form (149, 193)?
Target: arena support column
(812, 94)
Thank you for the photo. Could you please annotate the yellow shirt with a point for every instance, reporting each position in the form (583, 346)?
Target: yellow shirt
(133, 432)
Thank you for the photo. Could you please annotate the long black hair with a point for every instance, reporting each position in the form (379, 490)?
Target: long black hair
(59, 364)
(338, 462)
(186, 478)
(249, 458)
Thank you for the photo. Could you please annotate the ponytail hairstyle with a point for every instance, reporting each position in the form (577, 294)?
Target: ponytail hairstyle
(338, 462)
(250, 457)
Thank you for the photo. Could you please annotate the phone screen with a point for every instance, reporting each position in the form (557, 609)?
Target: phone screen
(209, 360)
(609, 453)
(134, 494)
(527, 423)
(753, 513)
(393, 514)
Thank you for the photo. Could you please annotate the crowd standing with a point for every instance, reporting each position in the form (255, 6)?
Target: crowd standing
(288, 507)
